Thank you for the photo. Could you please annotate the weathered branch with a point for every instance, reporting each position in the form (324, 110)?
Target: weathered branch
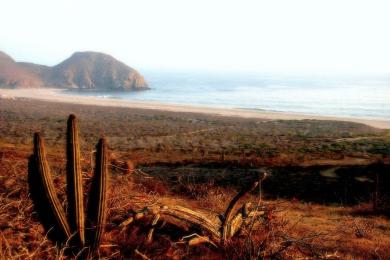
(193, 218)
(149, 238)
(226, 225)
(212, 228)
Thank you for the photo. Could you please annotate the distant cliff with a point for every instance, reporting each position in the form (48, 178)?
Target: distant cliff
(83, 70)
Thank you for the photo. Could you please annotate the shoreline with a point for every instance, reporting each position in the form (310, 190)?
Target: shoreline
(57, 95)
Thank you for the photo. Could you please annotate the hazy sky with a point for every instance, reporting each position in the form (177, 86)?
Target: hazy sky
(288, 36)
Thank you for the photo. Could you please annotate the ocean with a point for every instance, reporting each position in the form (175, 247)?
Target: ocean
(346, 96)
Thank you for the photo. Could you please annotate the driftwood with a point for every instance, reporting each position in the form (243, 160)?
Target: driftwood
(215, 231)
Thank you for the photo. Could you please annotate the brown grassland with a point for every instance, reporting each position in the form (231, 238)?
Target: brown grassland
(318, 193)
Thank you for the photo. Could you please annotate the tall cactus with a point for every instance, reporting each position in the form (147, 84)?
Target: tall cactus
(74, 228)
(75, 186)
(47, 183)
(98, 199)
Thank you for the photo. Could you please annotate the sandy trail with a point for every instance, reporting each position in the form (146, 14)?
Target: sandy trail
(58, 95)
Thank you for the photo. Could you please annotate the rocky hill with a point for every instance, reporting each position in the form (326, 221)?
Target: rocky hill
(13, 75)
(83, 70)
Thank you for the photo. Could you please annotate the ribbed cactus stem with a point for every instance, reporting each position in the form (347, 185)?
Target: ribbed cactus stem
(98, 195)
(75, 185)
(48, 186)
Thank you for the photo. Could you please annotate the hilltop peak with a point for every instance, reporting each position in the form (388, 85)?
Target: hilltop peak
(90, 54)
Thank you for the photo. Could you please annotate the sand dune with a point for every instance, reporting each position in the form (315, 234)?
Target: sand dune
(58, 95)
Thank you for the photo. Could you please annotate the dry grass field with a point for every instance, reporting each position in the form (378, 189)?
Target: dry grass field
(316, 199)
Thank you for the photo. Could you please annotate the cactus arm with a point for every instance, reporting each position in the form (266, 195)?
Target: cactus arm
(75, 186)
(98, 195)
(47, 183)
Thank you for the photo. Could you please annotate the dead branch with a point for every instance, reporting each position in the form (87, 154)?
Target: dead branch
(226, 225)
(215, 231)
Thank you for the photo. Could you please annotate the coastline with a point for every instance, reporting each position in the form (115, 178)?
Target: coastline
(57, 95)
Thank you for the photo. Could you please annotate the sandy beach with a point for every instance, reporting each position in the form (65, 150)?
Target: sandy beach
(58, 95)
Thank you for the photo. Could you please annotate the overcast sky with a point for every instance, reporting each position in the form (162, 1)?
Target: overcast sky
(267, 36)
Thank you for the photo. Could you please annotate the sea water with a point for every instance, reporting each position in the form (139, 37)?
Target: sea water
(347, 96)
